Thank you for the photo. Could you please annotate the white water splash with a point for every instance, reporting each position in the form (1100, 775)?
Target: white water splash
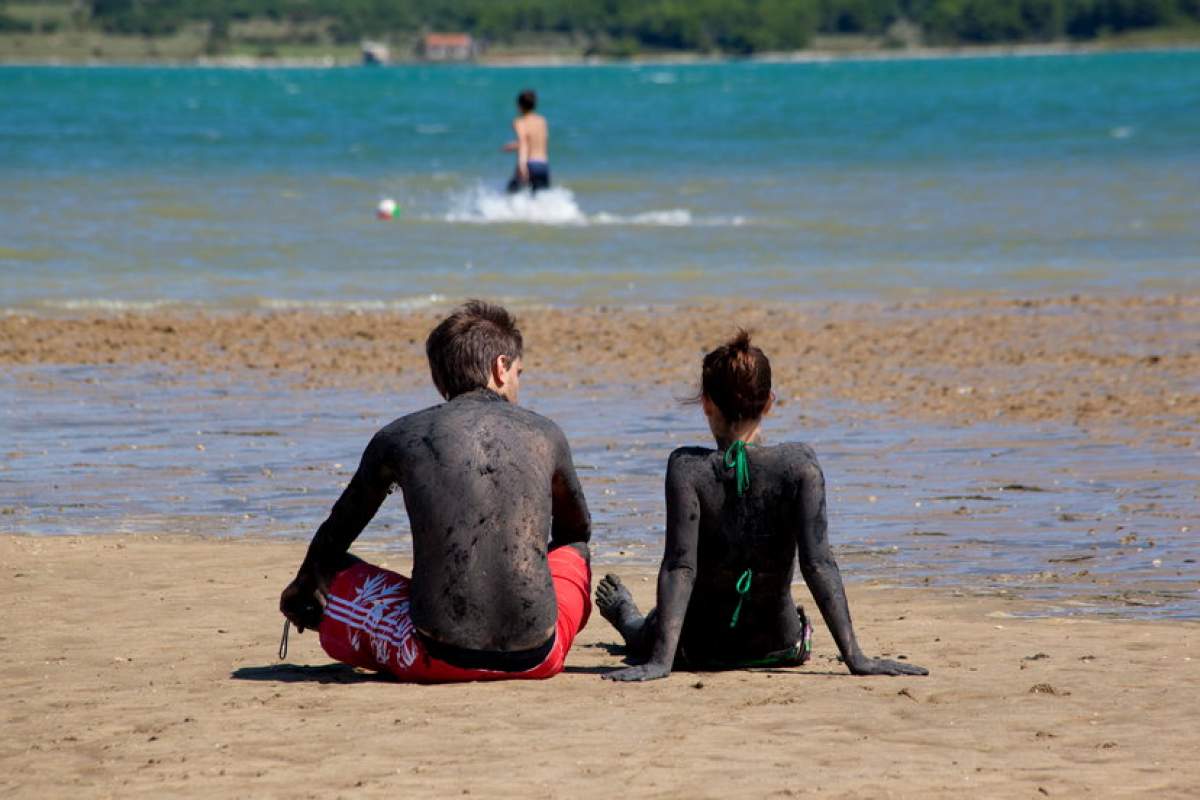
(557, 206)
(549, 207)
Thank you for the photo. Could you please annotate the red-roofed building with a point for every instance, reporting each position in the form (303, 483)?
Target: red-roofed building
(447, 47)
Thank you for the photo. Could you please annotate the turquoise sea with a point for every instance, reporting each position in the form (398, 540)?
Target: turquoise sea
(257, 188)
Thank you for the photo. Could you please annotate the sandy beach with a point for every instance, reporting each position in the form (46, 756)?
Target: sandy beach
(1117, 362)
(146, 667)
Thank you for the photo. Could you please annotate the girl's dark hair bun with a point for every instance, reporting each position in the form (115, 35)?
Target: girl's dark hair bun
(737, 378)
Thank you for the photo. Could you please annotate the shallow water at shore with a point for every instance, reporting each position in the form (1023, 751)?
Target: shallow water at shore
(1087, 524)
(127, 188)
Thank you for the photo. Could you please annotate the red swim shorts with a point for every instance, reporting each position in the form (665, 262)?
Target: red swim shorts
(367, 623)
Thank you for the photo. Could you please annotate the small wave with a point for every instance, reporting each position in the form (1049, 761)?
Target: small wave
(103, 304)
(114, 306)
(406, 304)
(670, 218)
(674, 217)
(557, 206)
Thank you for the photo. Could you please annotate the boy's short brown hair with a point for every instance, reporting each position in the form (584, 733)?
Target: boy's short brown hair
(463, 347)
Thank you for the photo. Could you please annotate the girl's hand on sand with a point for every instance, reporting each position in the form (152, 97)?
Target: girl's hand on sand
(881, 666)
(642, 672)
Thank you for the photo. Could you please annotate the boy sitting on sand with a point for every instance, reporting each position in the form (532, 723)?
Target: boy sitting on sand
(737, 517)
(484, 482)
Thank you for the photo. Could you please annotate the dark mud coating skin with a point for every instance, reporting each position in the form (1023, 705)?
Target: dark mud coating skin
(713, 536)
(484, 481)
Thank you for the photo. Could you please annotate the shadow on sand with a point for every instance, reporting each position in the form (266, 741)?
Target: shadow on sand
(621, 652)
(573, 670)
(297, 673)
(612, 648)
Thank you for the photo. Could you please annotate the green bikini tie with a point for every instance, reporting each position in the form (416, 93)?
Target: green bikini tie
(735, 459)
(743, 589)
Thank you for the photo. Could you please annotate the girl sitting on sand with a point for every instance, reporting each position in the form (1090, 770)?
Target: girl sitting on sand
(737, 517)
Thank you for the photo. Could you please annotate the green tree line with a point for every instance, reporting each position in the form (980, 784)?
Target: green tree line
(9, 24)
(734, 26)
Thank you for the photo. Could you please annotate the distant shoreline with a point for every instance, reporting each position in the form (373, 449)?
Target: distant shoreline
(811, 56)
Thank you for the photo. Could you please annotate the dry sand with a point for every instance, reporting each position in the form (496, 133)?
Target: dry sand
(1099, 361)
(146, 666)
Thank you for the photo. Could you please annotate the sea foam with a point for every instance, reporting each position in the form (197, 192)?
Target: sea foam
(557, 206)
(483, 205)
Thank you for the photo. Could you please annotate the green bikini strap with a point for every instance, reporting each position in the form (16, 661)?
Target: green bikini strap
(735, 459)
(743, 589)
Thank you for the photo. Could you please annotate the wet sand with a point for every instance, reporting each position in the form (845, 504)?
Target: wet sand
(146, 667)
(1126, 362)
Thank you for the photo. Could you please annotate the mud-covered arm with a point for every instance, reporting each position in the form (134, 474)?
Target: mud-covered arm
(676, 577)
(824, 579)
(304, 598)
(570, 521)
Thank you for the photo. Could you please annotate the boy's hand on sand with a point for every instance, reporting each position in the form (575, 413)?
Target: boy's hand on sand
(881, 666)
(303, 603)
(642, 672)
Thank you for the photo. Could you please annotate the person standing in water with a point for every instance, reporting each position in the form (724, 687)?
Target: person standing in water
(737, 517)
(532, 146)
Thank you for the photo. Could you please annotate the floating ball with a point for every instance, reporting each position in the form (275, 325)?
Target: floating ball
(387, 209)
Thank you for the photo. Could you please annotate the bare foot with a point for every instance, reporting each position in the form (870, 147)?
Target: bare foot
(616, 605)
